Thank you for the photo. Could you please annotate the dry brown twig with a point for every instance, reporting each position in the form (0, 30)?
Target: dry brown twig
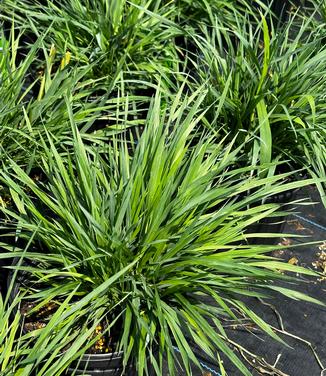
(259, 363)
(303, 341)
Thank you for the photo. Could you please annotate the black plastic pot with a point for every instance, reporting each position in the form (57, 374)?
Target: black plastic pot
(110, 364)
(273, 224)
(101, 364)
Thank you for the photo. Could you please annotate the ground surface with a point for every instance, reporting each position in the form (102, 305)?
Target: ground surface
(304, 322)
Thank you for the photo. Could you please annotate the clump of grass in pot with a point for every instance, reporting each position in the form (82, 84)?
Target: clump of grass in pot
(132, 36)
(266, 81)
(153, 233)
(32, 102)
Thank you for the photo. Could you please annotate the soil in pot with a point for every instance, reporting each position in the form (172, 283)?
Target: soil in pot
(102, 358)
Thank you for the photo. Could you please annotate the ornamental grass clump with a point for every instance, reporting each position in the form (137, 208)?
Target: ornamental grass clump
(267, 81)
(151, 236)
(133, 36)
(33, 102)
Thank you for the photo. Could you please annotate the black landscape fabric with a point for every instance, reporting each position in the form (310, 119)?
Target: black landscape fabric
(304, 323)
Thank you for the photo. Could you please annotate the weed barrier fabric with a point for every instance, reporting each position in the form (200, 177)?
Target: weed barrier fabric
(304, 322)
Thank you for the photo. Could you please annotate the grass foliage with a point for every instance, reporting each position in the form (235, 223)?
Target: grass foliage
(140, 142)
(152, 233)
(34, 103)
(118, 35)
(267, 82)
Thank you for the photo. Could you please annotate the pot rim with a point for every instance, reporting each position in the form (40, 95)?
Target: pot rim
(14, 291)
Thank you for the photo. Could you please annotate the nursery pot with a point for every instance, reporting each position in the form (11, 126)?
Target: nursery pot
(108, 364)
(275, 224)
(101, 364)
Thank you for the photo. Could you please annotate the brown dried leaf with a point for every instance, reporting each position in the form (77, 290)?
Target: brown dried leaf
(293, 261)
(278, 252)
(299, 226)
(321, 262)
(286, 241)
(322, 247)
